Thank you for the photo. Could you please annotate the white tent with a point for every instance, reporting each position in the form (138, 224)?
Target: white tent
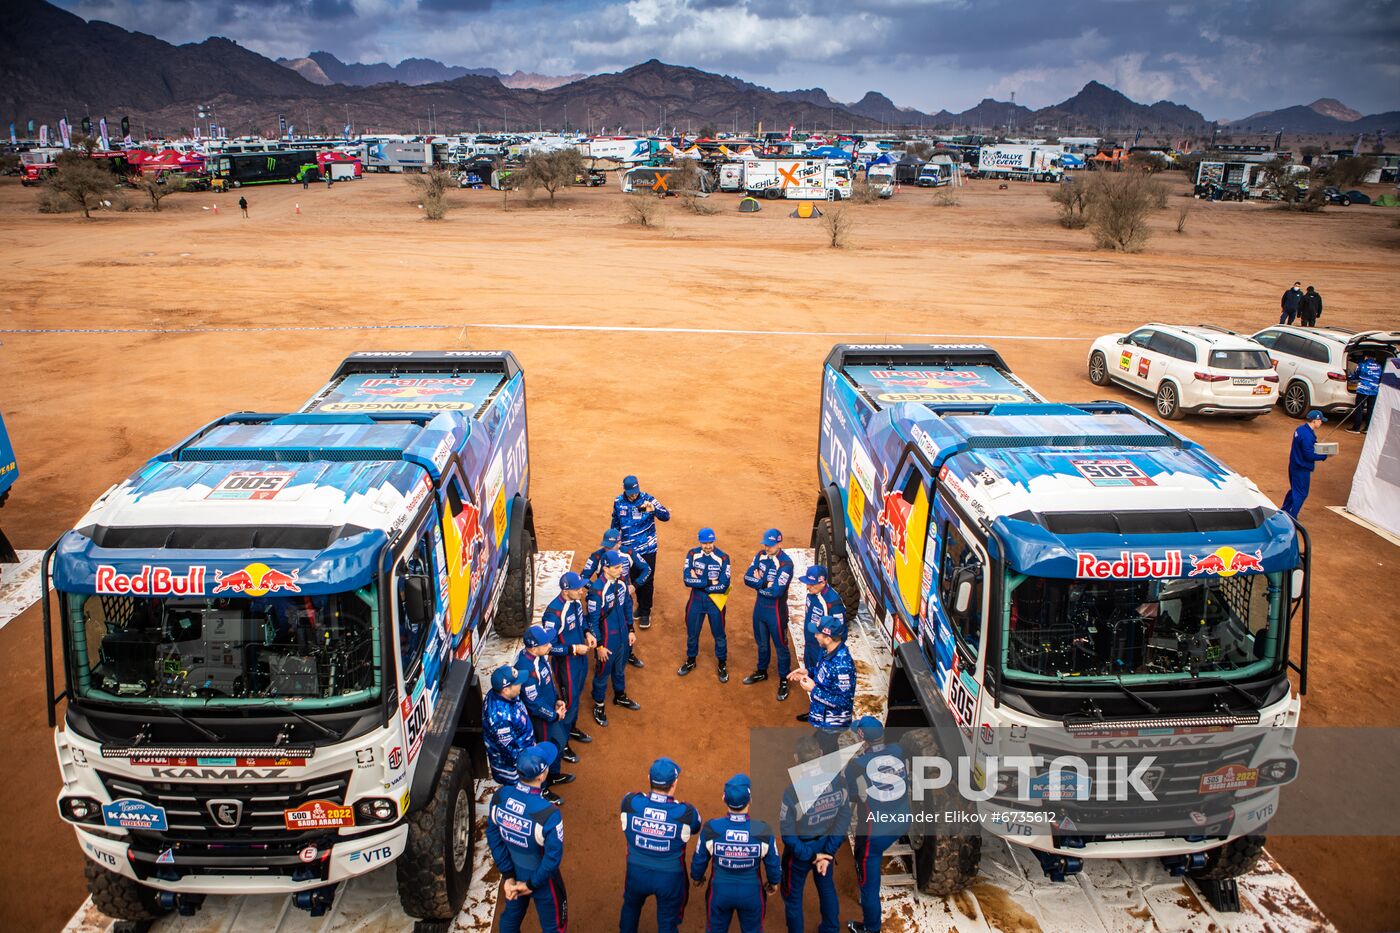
(1375, 489)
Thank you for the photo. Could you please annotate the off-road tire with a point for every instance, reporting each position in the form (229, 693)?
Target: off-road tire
(1168, 401)
(943, 864)
(1098, 369)
(1296, 399)
(120, 897)
(838, 569)
(1231, 860)
(517, 606)
(435, 869)
(773, 194)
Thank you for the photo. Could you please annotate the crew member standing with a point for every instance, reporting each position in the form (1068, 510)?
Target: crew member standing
(1301, 460)
(831, 686)
(573, 643)
(706, 573)
(635, 514)
(822, 600)
(636, 573)
(505, 723)
(813, 834)
(740, 849)
(541, 696)
(771, 575)
(525, 833)
(1289, 304)
(1309, 308)
(657, 827)
(243, 206)
(879, 823)
(609, 618)
(1368, 384)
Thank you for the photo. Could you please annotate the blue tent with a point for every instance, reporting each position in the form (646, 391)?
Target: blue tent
(828, 152)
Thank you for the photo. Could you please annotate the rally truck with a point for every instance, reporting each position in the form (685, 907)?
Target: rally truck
(1064, 580)
(269, 635)
(9, 472)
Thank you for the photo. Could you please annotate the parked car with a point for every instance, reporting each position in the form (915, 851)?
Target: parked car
(1334, 195)
(1188, 369)
(1315, 364)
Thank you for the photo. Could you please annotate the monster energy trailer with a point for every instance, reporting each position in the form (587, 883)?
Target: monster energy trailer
(264, 168)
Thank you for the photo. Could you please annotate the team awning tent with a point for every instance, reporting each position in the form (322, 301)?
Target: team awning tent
(1375, 489)
(749, 206)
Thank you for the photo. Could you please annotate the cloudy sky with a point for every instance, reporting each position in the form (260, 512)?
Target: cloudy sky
(1226, 58)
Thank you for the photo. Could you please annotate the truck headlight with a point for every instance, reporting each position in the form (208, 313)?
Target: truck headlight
(1278, 771)
(375, 810)
(80, 810)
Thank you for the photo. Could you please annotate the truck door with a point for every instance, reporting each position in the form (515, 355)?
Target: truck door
(962, 560)
(903, 521)
(420, 589)
(465, 544)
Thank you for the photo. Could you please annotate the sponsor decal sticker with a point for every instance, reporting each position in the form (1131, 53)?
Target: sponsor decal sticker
(319, 814)
(1111, 471)
(396, 758)
(251, 484)
(1144, 365)
(1125, 360)
(134, 814)
(150, 581)
(256, 580)
(309, 853)
(1226, 562)
(166, 857)
(1228, 778)
(1130, 565)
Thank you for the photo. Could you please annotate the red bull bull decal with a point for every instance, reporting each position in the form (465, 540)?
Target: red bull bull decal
(895, 514)
(1130, 565)
(150, 581)
(256, 580)
(1226, 562)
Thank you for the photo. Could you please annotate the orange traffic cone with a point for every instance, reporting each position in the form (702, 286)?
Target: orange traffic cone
(298, 207)
(216, 208)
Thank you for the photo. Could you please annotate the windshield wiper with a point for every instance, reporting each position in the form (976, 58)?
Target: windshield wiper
(1136, 698)
(1250, 698)
(288, 708)
(208, 733)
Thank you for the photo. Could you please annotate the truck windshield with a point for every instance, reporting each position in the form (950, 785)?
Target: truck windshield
(1142, 630)
(321, 651)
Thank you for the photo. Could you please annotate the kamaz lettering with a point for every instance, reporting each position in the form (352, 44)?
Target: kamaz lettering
(219, 774)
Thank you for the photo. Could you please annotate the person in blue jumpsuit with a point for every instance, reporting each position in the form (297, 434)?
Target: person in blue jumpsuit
(637, 573)
(813, 834)
(541, 697)
(879, 823)
(831, 685)
(822, 600)
(706, 573)
(657, 827)
(525, 833)
(635, 514)
(505, 723)
(572, 645)
(608, 615)
(1301, 460)
(771, 574)
(1368, 385)
(739, 848)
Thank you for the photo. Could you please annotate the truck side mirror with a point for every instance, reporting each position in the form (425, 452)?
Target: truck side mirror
(418, 599)
(964, 597)
(1296, 583)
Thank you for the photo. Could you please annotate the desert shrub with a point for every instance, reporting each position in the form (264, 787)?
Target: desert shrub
(690, 201)
(81, 180)
(550, 171)
(52, 201)
(431, 187)
(642, 210)
(945, 199)
(1350, 171)
(1182, 214)
(1120, 204)
(862, 191)
(838, 225)
(1072, 201)
(158, 188)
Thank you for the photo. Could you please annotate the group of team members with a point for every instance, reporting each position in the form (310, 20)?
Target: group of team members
(531, 722)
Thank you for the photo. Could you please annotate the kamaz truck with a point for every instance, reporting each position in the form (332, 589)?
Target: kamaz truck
(269, 635)
(1063, 583)
(9, 472)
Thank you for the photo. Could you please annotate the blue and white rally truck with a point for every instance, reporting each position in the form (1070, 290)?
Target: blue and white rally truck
(1064, 580)
(9, 472)
(269, 634)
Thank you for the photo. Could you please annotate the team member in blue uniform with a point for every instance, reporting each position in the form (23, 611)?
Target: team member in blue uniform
(1302, 458)
(505, 723)
(572, 645)
(608, 615)
(635, 514)
(812, 837)
(636, 573)
(525, 833)
(1368, 385)
(879, 824)
(831, 686)
(822, 600)
(706, 573)
(771, 575)
(738, 847)
(541, 697)
(657, 827)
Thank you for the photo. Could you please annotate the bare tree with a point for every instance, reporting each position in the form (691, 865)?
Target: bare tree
(1072, 200)
(643, 210)
(1182, 214)
(1281, 181)
(838, 224)
(863, 192)
(432, 187)
(157, 187)
(1121, 203)
(1350, 171)
(81, 180)
(550, 171)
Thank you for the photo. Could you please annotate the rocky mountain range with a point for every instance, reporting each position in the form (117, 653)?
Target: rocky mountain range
(1322, 117)
(324, 68)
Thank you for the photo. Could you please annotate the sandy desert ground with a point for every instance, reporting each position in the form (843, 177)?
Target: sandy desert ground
(124, 333)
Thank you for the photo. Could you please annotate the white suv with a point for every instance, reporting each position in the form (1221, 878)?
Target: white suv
(1201, 370)
(1315, 363)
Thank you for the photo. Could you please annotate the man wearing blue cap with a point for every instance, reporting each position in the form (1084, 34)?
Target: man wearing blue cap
(771, 575)
(525, 833)
(706, 573)
(738, 847)
(831, 686)
(1301, 460)
(505, 723)
(813, 835)
(822, 600)
(572, 645)
(541, 697)
(657, 827)
(608, 615)
(636, 573)
(879, 823)
(635, 514)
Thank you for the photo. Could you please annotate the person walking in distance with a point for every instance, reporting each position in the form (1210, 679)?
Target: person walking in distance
(1289, 305)
(745, 857)
(1309, 308)
(1368, 384)
(635, 514)
(813, 835)
(1302, 458)
(831, 686)
(243, 206)
(609, 618)
(770, 574)
(572, 646)
(525, 834)
(540, 695)
(879, 822)
(706, 573)
(657, 827)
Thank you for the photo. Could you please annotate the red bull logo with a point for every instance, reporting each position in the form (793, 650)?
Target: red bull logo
(256, 580)
(415, 388)
(1226, 562)
(150, 581)
(469, 526)
(1130, 565)
(895, 514)
(932, 379)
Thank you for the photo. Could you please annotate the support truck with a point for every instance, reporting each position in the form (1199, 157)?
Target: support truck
(1064, 580)
(269, 635)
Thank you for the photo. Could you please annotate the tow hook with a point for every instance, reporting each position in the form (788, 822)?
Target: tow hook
(1058, 867)
(1178, 865)
(187, 905)
(316, 901)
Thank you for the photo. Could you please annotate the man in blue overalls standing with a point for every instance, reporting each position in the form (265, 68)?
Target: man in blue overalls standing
(812, 836)
(608, 615)
(635, 514)
(831, 687)
(771, 574)
(822, 600)
(706, 573)
(637, 573)
(541, 697)
(572, 645)
(738, 846)
(1301, 460)
(879, 823)
(658, 828)
(525, 833)
(505, 724)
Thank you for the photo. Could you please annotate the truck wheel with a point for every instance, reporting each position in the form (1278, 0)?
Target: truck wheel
(1168, 401)
(943, 864)
(435, 869)
(1295, 400)
(1231, 860)
(772, 194)
(120, 897)
(517, 608)
(838, 568)
(1098, 369)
